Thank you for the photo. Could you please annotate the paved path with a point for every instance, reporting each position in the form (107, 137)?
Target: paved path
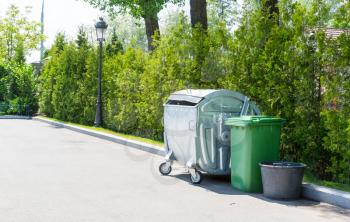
(50, 174)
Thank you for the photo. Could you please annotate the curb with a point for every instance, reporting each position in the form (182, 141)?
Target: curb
(327, 195)
(105, 136)
(309, 191)
(15, 117)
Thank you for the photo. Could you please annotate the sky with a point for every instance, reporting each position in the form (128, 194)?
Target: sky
(60, 15)
(65, 16)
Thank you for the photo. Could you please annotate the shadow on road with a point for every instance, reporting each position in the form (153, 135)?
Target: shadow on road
(55, 126)
(221, 185)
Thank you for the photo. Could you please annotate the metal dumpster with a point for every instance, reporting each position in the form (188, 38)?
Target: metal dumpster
(195, 134)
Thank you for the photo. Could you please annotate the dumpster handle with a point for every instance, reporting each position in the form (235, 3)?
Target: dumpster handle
(245, 106)
(204, 148)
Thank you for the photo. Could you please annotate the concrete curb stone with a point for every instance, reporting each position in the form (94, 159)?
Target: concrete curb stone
(327, 195)
(105, 136)
(15, 117)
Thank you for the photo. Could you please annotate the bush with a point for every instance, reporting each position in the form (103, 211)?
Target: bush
(18, 89)
(336, 112)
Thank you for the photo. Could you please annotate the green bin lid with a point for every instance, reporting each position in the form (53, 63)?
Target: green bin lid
(254, 120)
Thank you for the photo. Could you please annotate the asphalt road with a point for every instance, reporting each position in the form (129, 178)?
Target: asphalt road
(50, 174)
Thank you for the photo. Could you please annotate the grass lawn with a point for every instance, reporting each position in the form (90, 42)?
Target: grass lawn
(309, 178)
(100, 129)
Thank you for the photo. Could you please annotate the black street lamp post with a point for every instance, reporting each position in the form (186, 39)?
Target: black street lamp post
(101, 27)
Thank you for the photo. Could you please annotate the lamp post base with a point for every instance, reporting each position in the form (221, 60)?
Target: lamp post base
(98, 117)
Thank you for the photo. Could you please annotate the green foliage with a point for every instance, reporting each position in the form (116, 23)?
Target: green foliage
(336, 114)
(342, 15)
(129, 30)
(18, 35)
(59, 43)
(123, 90)
(65, 89)
(82, 38)
(18, 88)
(310, 178)
(146, 9)
(280, 65)
(137, 8)
(277, 66)
(114, 46)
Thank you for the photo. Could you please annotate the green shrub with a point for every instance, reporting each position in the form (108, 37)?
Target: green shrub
(336, 112)
(18, 89)
(122, 91)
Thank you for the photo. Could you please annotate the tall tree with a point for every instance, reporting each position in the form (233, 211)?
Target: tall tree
(18, 34)
(82, 38)
(199, 13)
(146, 9)
(59, 43)
(19, 56)
(150, 15)
(114, 45)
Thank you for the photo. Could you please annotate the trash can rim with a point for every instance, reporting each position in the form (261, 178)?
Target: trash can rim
(281, 164)
(254, 120)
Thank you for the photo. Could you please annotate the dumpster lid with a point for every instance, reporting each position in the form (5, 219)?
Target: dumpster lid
(254, 120)
(193, 96)
(201, 93)
(184, 98)
(196, 95)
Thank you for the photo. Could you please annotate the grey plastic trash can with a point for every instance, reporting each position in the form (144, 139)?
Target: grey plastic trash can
(282, 180)
(195, 134)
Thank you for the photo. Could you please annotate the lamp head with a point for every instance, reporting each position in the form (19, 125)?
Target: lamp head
(101, 27)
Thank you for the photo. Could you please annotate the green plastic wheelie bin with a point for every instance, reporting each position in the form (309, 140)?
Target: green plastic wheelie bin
(254, 139)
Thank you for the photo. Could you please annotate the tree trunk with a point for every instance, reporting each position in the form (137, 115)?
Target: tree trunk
(199, 13)
(152, 28)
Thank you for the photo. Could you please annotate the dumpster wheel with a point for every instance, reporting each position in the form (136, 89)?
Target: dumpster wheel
(196, 177)
(165, 168)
